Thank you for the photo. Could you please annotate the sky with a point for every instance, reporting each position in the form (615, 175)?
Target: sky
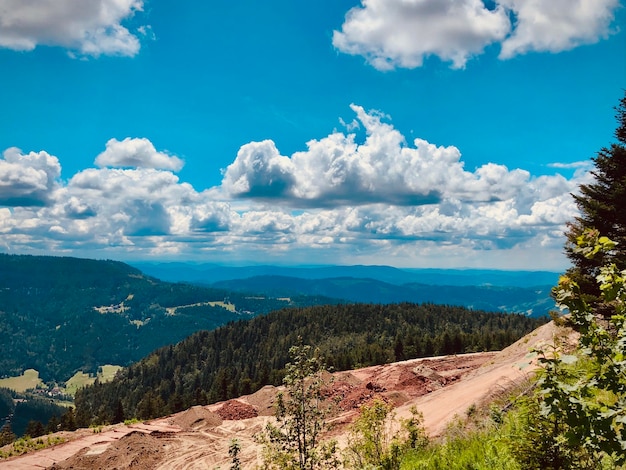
(409, 133)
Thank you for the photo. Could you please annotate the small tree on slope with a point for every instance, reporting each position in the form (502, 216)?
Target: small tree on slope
(294, 441)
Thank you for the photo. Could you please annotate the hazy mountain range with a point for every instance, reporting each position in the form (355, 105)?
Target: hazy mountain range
(509, 291)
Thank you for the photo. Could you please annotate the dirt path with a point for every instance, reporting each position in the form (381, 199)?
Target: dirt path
(440, 387)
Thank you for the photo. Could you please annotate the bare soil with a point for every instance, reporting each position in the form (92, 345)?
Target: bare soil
(441, 388)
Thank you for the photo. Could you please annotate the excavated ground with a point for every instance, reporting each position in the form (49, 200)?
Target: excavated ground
(441, 388)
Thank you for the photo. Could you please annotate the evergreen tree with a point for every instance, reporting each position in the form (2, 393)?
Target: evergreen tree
(35, 428)
(602, 206)
(6, 435)
(53, 424)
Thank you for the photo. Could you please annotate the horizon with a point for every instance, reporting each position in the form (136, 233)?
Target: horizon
(336, 133)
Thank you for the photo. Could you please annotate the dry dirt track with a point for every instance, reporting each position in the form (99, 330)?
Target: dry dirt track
(199, 437)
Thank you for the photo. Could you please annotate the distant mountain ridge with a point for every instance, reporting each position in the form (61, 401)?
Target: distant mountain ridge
(526, 292)
(212, 273)
(531, 301)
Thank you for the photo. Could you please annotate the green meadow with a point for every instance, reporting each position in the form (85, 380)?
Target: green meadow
(29, 379)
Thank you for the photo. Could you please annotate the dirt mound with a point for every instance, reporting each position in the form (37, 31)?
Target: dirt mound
(195, 417)
(263, 400)
(137, 450)
(235, 410)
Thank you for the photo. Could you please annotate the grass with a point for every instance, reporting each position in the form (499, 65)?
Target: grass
(108, 372)
(225, 305)
(228, 306)
(80, 379)
(28, 380)
(483, 439)
(475, 450)
(27, 444)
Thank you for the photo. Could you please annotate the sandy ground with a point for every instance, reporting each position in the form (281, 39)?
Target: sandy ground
(198, 438)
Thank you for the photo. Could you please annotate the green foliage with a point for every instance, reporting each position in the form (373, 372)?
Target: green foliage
(373, 442)
(294, 441)
(583, 396)
(240, 358)
(33, 409)
(601, 205)
(35, 429)
(6, 435)
(463, 447)
(7, 406)
(233, 451)
(27, 444)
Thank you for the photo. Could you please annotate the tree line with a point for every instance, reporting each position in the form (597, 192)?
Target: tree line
(241, 357)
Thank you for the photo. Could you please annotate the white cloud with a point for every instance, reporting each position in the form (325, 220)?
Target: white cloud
(377, 201)
(556, 25)
(27, 179)
(585, 165)
(137, 153)
(402, 33)
(259, 171)
(336, 170)
(87, 27)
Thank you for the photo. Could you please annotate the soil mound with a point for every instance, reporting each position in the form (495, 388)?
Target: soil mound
(263, 400)
(137, 450)
(235, 410)
(196, 416)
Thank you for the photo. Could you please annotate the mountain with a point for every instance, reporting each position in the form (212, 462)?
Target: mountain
(240, 358)
(212, 273)
(59, 315)
(533, 301)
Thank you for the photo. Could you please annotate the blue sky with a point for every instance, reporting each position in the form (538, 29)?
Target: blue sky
(421, 133)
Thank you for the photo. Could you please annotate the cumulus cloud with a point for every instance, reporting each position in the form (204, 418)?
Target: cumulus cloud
(88, 27)
(137, 153)
(556, 25)
(381, 200)
(27, 179)
(336, 170)
(402, 33)
(260, 171)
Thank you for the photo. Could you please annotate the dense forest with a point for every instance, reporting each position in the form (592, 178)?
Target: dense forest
(25, 413)
(68, 314)
(241, 357)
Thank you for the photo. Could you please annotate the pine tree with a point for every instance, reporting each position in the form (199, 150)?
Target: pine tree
(602, 206)
(6, 435)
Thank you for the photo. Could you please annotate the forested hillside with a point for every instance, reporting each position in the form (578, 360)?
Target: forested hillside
(59, 315)
(241, 357)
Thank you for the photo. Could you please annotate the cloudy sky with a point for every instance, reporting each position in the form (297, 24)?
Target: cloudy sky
(411, 133)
